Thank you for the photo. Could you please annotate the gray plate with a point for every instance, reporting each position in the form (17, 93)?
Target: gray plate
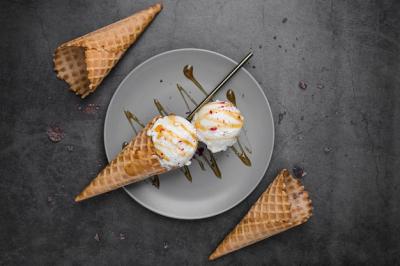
(207, 195)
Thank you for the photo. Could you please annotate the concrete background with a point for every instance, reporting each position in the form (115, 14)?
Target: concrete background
(343, 129)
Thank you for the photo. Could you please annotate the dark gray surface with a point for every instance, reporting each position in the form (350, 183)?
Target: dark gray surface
(344, 129)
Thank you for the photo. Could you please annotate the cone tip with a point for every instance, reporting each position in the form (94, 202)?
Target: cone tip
(79, 198)
(159, 5)
(212, 256)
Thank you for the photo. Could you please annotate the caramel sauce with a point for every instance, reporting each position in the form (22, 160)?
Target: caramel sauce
(160, 108)
(188, 72)
(220, 126)
(171, 135)
(133, 119)
(242, 154)
(247, 144)
(184, 93)
(201, 164)
(184, 128)
(185, 170)
(161, 154)
(165, 157)
(222, 138)
(212, 163)
(226, 112)
(230, 95)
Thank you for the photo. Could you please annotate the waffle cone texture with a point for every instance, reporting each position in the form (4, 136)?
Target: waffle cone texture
(137, 161)
(85, 61)
(285, 204)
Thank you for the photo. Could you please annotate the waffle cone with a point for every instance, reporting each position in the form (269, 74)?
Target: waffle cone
(283, 205)
(137, 161)
(85, 61)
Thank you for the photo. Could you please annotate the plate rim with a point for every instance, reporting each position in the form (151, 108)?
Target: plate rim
(234, 204)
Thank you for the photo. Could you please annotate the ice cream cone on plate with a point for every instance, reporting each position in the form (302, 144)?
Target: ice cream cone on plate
(85, 61)
(137, 161)
(283, 205)
(164, 144)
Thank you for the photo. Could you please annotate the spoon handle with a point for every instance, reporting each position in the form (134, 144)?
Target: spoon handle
(220, 85)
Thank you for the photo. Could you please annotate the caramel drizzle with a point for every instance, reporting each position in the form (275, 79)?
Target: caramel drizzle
(171, 135)
(185, 170)
(212, 163)
(184, 93)
(160, 108)
(230, 95)
(248, 149)
(242, 154)
(132, 118)
(201, 164)
(188, 73)
(220, 124)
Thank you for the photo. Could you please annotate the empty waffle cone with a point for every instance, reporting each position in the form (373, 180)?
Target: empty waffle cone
(283, 205)
(85, 61)
(137, 161)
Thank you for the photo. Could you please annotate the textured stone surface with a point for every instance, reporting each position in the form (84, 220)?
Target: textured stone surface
(343, 128)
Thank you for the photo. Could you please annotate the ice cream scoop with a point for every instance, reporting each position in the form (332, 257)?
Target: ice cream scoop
(218, 125)
(174, 139)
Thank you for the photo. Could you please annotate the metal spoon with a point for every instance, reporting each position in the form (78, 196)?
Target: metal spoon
(220, 85)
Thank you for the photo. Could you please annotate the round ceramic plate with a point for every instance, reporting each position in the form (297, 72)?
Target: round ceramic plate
(207, 195)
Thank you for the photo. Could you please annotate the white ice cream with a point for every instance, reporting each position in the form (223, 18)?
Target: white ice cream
(175, 140)
(218, 125)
